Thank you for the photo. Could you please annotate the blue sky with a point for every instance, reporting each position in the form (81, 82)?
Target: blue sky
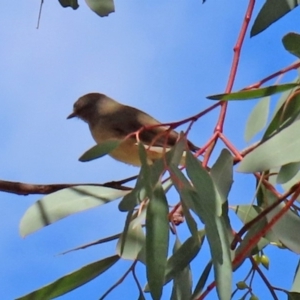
(161, 57)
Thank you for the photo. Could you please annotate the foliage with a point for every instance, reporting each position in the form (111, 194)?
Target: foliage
(203, 192)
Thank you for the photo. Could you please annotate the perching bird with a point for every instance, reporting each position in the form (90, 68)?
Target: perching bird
(110, 120)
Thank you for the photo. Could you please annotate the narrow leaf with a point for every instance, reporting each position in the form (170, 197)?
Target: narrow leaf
(296, 281)
(285, 115)
(257, 119)
(281, 149)
(287, 172)
(157, 241)
(72, 281)
(182, 283)
(215, 227)
(222, 174)
(254, 94)
(271, 11)
(184, 254)
(284, 228)
(66, 202)
(99, 150)
(133, 241)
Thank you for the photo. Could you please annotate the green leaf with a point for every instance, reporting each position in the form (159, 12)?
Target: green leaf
(69, 3)
(133, 241)
(101, 7)
(254, 94)
(285, 115)
(291, 43)
(99, 150)
(157, 241)
(148, 177)
(287, 172)
(257, 119)
(284, 228)
(72, 281)
(64, 203)
(246, 213)
(222, 174)
(280, 149)
(182, 283)
(202, 281)
(293, 296)
(296, 281)
(271, 11)
(184, 254)
(215, 227)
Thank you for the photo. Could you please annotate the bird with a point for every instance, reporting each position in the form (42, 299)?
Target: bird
(110, 120)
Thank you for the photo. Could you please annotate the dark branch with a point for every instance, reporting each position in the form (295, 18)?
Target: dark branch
(25, 189)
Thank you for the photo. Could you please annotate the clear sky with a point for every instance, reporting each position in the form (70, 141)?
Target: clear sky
(161, 57)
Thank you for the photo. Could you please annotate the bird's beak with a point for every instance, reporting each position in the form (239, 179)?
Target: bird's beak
(72, 115)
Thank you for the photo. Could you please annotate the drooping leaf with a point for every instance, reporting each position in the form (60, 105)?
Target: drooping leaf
(66, 202)
(257, 119)
(157, 241)
(293, 296)
(222, 174)
(215, 227)
(101, 7)
(272, 11)
(131, 243)
(73, 280)
(99, 150)
(287, 172)
(184, 254)
(255, 93)
(280, 149)
(182, 283)
(69, 3)
(246, 213)
(291, 43)
(284, 228)
(296, 281)
(285, 115)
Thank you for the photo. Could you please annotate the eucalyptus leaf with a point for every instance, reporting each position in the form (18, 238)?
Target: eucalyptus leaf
(285, 115)
(287, 172)
(255, 93)
(182, 283)
(157, 241)
(257, 119)
(215, 227)
(69, 3)
(132, 241)
(101, 7)
(291, 43)
(296, 281)
(280, 149)
(73, 280)
(272, 11)
(284, 228)
(64, 203)
(99, 150)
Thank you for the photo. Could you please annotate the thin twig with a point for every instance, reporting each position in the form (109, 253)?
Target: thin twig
(119, 281)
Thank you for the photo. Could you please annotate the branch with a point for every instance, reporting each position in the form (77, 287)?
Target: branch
(25, 189)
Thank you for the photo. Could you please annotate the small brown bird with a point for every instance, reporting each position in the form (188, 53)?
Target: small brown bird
(110, 120)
